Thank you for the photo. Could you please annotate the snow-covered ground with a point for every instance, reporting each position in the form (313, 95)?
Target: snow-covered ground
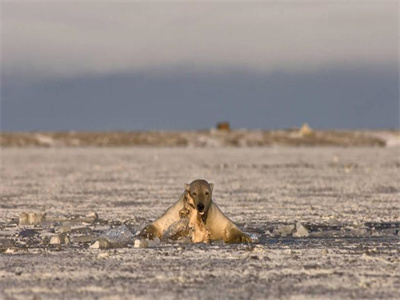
(347, 200)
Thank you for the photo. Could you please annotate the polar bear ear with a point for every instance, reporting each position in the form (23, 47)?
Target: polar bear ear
(187, 187)
(211, 186)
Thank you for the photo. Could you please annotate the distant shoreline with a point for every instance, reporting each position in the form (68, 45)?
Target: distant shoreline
(204, 138)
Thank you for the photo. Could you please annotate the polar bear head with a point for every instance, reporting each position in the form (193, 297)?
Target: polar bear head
(201, 193)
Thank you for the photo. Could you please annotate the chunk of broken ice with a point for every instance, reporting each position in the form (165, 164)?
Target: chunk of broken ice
(101, 243)
(59, 239)
(120, 235)
(177, 231)
(301, 231)
(254, 237)
(140, 244)
(283, 230)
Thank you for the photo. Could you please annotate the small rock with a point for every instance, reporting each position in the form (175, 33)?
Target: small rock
(268, 233)
(284, 230)
(301, 231)
(287, 251)
(101, 243)
(374, 232)
(59, 239)
(55, 240)
(103, 255)
(254, 237)
(140, 244)
(119, 236)
(258, 249)
(92, 215)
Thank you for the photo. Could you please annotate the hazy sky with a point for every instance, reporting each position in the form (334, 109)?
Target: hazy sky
(175, 65)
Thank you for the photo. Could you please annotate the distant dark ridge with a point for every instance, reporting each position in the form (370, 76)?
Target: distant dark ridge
(205, 138)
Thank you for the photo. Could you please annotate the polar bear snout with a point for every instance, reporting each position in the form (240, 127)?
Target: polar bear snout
(200, 207)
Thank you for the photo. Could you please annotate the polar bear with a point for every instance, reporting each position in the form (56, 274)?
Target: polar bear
(219, 227)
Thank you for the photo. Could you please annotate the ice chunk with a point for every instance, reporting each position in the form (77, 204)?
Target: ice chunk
(103, 255)
(120, 236)
(284, 230)
(254, 237)
(301, 231)
(92, 216)
(101, 243)
(59, 239)
(259, 249)
(140, 244)
(178, 230)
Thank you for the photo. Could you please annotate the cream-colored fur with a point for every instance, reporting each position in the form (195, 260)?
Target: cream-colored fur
(200, 233)
(222, 228)
(217, 225)
(171, 216)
